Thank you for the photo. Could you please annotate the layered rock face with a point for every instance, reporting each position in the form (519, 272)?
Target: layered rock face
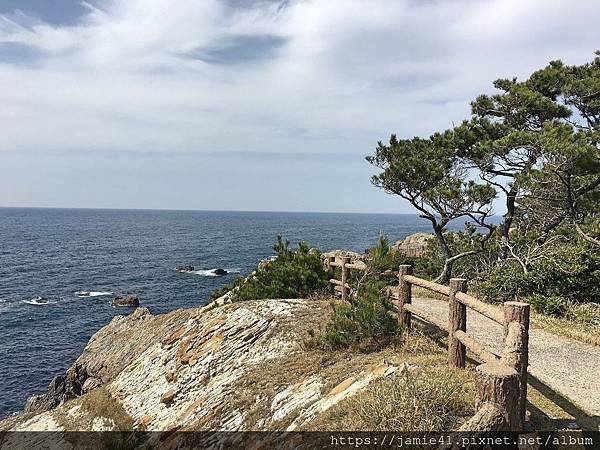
(241, 366)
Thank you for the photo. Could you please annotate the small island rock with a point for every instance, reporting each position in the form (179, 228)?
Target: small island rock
(185, 268)
(130, 300)
(220, 272)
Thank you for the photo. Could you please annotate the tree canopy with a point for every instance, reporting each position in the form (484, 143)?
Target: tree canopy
(535, 142)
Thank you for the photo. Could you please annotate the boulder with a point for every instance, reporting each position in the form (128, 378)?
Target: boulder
(185, 268)
(61, 389)
(130, 300)
(220, 272)
(168, 397)
(413, 245)
(339, 253)
(91, 384)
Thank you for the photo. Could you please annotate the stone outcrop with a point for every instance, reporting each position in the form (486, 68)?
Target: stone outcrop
(184, 268)
(339, 253)
(220, 272)
(205, 369)
(413, 245)
(130, 300)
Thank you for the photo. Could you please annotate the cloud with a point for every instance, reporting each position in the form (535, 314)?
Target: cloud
(267, 76)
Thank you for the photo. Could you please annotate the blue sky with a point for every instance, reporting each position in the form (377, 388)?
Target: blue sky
(249, 105)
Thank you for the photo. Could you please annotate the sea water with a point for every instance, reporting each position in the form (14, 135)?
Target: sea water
(48, 257)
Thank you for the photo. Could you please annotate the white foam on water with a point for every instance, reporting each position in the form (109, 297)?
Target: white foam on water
(211, 272)
(83, 294)
(39, 301)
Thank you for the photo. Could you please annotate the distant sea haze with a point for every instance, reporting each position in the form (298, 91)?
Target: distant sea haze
(47, 255)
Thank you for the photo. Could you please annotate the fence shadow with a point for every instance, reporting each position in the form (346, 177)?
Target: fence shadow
(583, 419)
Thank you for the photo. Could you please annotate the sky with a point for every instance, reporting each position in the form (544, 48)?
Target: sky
(250, 104)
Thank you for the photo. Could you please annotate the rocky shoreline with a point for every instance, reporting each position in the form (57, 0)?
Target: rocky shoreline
(202, 369)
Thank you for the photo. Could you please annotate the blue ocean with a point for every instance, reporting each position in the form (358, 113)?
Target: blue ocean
(47, 255)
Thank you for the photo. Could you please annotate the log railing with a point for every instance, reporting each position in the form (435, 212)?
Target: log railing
(501, 379)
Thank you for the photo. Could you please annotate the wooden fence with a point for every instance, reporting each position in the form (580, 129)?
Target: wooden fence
(501, 383)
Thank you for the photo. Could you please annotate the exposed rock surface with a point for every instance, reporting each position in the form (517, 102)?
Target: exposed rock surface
(130, 300)
(220, 272)
(185, 268)
(413, 245)
(241, 366)
(339, 253)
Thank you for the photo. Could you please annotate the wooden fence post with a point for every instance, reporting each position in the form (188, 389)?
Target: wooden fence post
(457, 320)
(345, 276)
(516, 348)
(404, 295)
(497, 401)
(330, 274)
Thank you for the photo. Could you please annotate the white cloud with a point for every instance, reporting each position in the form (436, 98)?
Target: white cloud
(334, 75)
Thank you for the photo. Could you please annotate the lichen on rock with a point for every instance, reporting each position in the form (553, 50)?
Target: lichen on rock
(241, 366)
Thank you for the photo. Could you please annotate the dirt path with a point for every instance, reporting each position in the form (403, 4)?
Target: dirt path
(569, 367)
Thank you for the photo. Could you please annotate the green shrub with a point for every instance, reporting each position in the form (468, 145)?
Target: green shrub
(552, 306)
(365, 321)
(293, 274)
(566, 267)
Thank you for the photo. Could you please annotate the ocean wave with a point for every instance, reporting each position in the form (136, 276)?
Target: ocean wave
(211, 272)
(83, 294)
(39, 301)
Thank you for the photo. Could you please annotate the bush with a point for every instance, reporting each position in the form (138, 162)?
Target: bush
(293, 274)
(552, 306)
(384, 257)
(366, 319)
(567, 268)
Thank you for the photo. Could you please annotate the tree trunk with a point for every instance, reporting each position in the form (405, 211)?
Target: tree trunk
(511, 198)
(444, 277)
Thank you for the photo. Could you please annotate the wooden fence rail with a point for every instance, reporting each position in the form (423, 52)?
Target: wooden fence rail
(501, 383)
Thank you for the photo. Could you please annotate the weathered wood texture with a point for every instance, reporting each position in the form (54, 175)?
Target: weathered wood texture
(404, 295)
(498, 384)
(501, 381)
(432, 318)
(457, 321)
(516, 346)
(345, 277)
(476, 347)
(430, 285)
(490, 311)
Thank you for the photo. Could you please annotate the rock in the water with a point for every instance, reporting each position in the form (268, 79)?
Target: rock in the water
(130, 300)
(185, 268)
(220, 272)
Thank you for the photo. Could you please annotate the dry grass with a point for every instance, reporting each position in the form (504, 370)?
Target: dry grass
(581, 323)
(418, 291)
(99, 403)
(431, 396)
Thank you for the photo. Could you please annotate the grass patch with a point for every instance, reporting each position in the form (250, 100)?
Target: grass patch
(99, 403)
(433, 398)
(581, 322)
(418, 291)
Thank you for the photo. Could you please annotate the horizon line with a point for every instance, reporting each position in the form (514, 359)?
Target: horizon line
(205, 210)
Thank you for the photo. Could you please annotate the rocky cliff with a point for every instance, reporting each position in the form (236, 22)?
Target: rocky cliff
(241, 366)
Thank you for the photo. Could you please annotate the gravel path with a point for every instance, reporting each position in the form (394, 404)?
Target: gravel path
(567, 366)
